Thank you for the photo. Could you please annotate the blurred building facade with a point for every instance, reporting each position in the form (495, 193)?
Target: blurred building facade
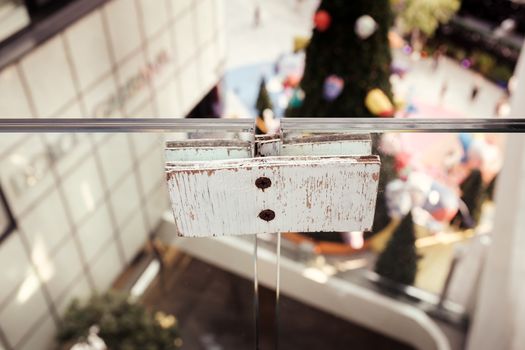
(84, 205)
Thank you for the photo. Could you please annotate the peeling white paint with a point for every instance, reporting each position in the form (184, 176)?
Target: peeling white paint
(328, 145)
(215, 198)
(206, 153)
(205, 150)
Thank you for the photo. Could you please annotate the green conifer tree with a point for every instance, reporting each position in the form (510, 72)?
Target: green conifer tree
(398, 262)
(363, 64)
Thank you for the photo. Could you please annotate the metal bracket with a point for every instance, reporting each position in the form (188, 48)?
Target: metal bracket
(278, 183)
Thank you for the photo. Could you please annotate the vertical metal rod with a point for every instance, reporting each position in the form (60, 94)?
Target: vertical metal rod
(446, 286)
(277, 290)
(256, 293)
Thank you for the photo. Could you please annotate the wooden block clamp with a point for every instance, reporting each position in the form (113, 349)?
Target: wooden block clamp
(316, 183)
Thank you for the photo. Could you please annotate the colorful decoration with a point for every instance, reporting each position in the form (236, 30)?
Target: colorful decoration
(395, 40)
(365, 26)
(421, 192)
(300, 43)
(322, 20)
(399, 103)
(399, 68)
(332, 88)
(402, 164)
(291, 81)
(441, 202)
(297, 98)
(466, 63)
(378, 103)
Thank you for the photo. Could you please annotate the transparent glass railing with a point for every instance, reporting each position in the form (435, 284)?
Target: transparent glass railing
(86, 208)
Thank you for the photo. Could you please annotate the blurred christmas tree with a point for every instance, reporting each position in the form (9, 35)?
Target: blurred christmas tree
(263, 103)
(348, 61)
(347, 73)
(122, 325)
(398, 262)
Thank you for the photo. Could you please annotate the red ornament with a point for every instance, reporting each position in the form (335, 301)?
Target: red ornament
(402, 159)
(322, 20)
(444, 214)
(291, 81)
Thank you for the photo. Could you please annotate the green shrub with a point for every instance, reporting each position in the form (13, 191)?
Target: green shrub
(123, 324)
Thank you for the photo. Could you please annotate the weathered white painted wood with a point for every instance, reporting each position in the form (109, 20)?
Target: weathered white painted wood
(327, 145)
(206, 153)
(306, 194)
(315, 145)
(204, 150)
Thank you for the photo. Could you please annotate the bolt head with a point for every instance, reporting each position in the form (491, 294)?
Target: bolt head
(263, 183)
(267, 215)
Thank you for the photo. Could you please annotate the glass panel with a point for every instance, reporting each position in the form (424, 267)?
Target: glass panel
(93, 213)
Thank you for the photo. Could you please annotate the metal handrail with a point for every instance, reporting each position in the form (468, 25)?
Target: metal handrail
(167, 125)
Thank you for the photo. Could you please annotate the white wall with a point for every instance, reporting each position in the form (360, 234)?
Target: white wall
(497, 322)
(86, 203)
(499, 319)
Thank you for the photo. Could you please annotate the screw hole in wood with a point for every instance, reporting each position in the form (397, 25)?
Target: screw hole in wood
(267, 215)
(263, 183)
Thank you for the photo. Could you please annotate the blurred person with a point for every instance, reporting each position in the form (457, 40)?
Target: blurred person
(437, 57)
(475, 88)
(277, 64)
(443, 92)
(257, 16)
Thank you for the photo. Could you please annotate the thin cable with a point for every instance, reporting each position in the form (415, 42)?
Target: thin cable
(256, 293)
(277, 290)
